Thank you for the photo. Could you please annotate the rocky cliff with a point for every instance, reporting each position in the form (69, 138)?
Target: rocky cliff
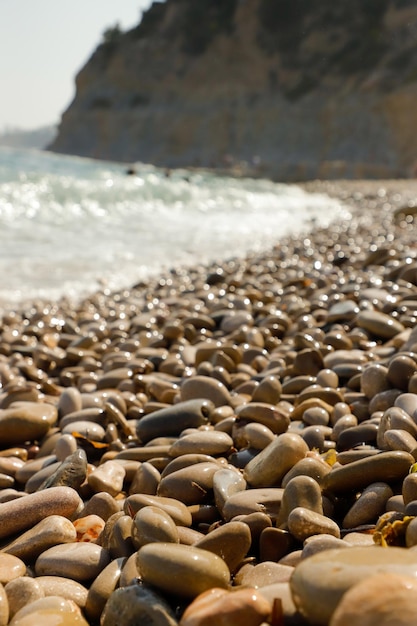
(291, 88)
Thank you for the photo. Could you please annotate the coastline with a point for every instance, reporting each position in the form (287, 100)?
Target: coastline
(279, 346)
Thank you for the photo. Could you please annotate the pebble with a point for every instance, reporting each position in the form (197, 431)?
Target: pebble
(20, 592)
(191, 485)
(145, 480)
(88, 528)
(137, 604)
(26, 421)
(369, 506)
(198, 387)
(201, 409)
(11, 567)
(22, 513)
(101, 504)
(172, 420)
(266, 414)
(183, 570)
(273, 462)
(70, 473)
(202, 442)
(314, 467)
(257, 436)
(152, 524)
(231, 542)
(407, 402)
(108, 478)
(50, 610)
(385, 467)
(303, 523)
(174, 508)
(274, 543)
(263, 574)
(269, 390)
(63, 587)
(301, 491)
(409, 488)
(379, 324)
(279, 595)
(246, 607)
(382, 599)
(226, 482)
(319, 582)
(101, 589)
(319, 543)
(52, 530)
(77, 561)
(266, 500)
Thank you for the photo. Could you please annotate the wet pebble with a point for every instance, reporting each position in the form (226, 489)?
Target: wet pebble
(231, 542)
(319, 582)
(22, 513)
(183, 570)
(152, 524)
(246, 607)
(26, 421)
(77, 561)
(52, 530)
(137, 604)
(382, 599)
(63, 587)
(202, 442)
(369, 506)
(303, 523)
(22, 591)
(64, 612)
(274, 461)
(108, 477)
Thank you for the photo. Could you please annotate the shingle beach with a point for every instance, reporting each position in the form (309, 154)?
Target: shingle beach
(232, 444)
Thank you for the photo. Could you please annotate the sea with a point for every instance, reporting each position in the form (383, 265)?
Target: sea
(70, 226)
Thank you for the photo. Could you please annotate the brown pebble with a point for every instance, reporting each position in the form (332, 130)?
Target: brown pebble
(264, 500)
(272, 463)
(246, 607)
(230, 541)
(77, 561)
(22, 591)
(182, 570)
(266, 573)
(102, 587)
(26, 421)
(368, 506)
(190, 485)
(17, 515)
(383, 599)
(52, 530)
(137, 604)
(303, 523)
(301, 491)
(175, 509)
(153, 524)
(63, 587)
(384, 467)
(199, 387)
(39, 611)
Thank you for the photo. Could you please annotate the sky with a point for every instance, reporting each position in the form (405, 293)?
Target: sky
(43, 45)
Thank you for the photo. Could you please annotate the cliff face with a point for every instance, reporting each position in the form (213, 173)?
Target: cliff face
(296, 90)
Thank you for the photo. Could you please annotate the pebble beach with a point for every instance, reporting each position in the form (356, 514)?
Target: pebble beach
(230, 444)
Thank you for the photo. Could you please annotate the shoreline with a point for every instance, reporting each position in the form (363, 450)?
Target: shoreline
(257, 394)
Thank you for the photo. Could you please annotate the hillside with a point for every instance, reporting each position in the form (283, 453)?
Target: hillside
(291, 88)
